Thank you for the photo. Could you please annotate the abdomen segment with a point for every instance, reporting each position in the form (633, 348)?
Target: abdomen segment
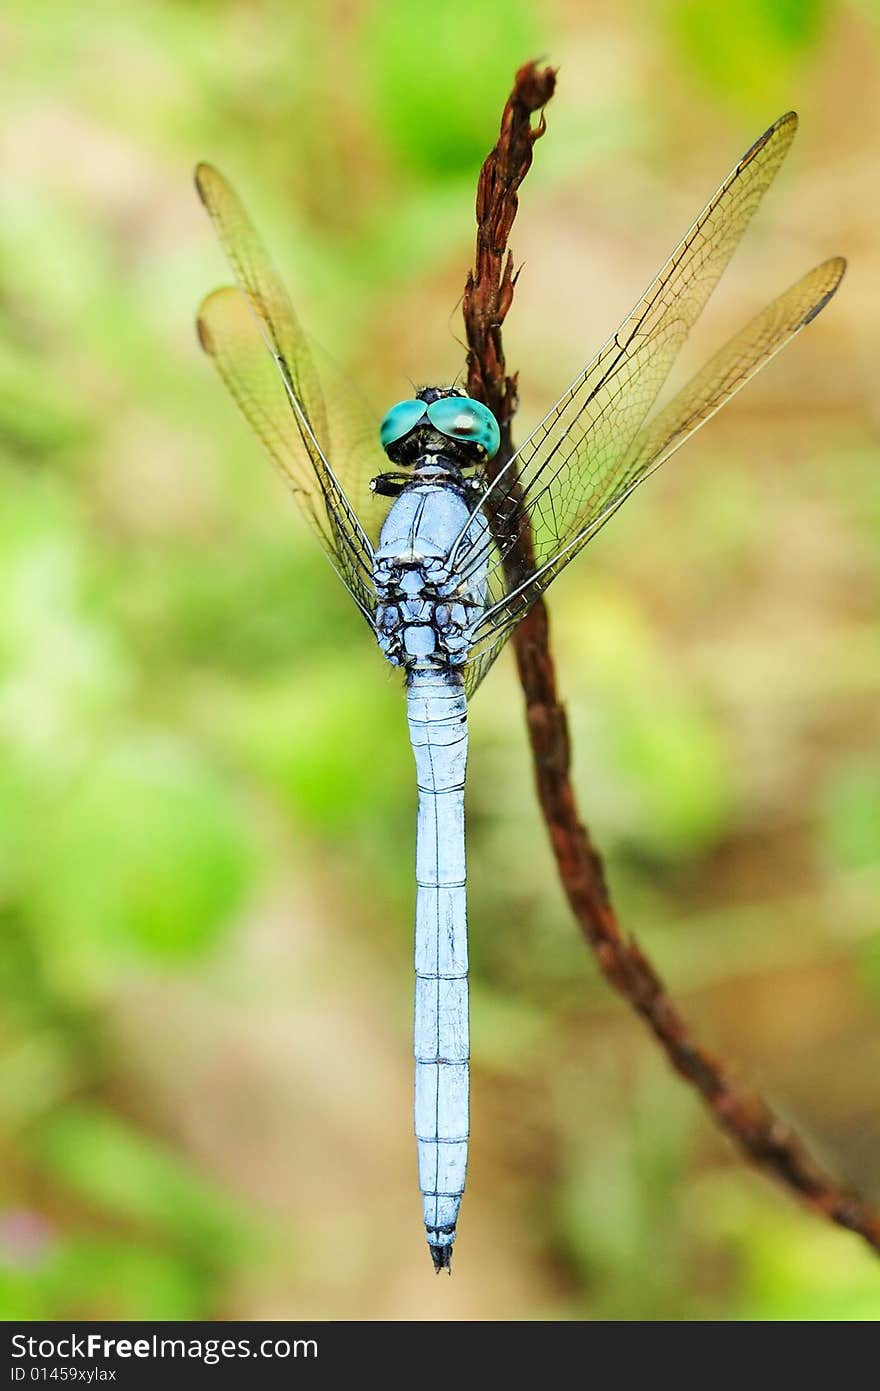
(437, 713)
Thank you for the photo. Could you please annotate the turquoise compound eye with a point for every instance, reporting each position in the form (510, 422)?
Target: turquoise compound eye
(399, 421)
(463, 419)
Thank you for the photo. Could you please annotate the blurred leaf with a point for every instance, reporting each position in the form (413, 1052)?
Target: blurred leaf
(744, 50)
(620, 1219)
(334, 744)
(14, 798)
(805, 1273)
(679, 793)
(64, 669)
(38, 418)
(664, 782)
(128, 1175)
(439, 78)
(118, 1280)
(506, 1034)
(91, 1277)
(147, 848)
(244, 604)
(37, 1074)
(849, 816)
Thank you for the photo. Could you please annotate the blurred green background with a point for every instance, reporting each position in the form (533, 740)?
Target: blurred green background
(206, 793)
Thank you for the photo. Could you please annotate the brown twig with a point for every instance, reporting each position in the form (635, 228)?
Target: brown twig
(746, 1118)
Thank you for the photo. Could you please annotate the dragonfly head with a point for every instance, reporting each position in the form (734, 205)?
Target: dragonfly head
(440, 420)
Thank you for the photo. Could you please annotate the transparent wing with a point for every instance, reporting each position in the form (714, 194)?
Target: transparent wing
(304, 419)
(721, 378)
(229, 334)
(570, 468)
(567, 468)
(728, 371)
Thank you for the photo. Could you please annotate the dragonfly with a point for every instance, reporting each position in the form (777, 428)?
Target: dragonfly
(428, 540)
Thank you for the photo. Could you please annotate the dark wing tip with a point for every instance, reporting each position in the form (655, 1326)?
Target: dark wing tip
(836, 268)
(202, 175)
(206, 341)
(787, 122)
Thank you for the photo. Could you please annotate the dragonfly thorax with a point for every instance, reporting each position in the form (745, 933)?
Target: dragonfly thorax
(439, 464)
(429, 583)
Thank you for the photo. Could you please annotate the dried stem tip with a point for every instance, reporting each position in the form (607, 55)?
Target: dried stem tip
(489, 290)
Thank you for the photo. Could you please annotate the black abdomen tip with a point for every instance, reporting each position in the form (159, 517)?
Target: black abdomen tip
(442, 1258)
